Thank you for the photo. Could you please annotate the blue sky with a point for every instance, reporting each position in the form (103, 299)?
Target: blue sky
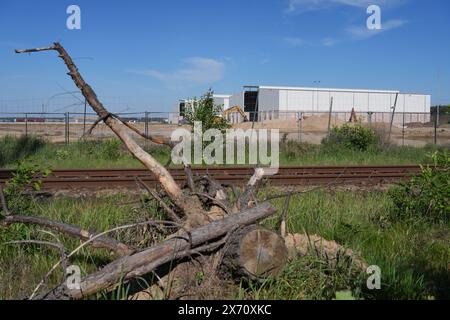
(148, 54)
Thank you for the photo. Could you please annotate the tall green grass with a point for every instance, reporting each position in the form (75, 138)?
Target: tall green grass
(13, 149)
(413, 255)
(111, 153)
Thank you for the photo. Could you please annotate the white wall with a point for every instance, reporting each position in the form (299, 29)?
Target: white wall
(268, 99)
(319, 100)
(222, 101)
(237, 100)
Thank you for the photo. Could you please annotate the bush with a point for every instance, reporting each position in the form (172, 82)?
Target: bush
(426, 195)
(206, 112)
(354, 137)
(27, 176)
(111, 149)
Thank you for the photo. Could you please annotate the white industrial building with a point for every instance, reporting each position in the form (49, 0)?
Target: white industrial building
(318, 99)
(269, 102)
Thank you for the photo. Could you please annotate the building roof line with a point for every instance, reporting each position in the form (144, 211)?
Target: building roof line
(327, 89)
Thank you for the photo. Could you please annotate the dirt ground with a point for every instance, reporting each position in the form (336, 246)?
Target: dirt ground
(312, 130)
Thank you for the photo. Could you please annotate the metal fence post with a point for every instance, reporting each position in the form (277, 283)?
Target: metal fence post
(146, 127)
(436, 119)
(300, 117)
(66, 127)
(26, 124)
(403, 130)
(84, 117)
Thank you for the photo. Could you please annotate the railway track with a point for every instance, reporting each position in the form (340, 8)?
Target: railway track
(306, 176)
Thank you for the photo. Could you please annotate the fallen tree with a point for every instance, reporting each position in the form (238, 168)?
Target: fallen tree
(203, 211)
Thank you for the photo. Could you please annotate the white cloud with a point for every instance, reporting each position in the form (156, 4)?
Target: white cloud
(294, 41)
(329, 42)
(362, 32)
(196, 71)
(300, 6)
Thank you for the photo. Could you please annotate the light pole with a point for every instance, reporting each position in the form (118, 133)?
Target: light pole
(317, 84)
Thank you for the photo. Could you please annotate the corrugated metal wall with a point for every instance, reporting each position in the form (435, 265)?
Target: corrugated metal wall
(317, 100)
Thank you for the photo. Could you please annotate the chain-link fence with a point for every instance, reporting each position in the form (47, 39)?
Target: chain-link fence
(72, 126)
(410, 128)
(413, 129)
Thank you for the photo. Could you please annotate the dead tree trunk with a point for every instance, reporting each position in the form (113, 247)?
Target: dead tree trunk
(255, 253)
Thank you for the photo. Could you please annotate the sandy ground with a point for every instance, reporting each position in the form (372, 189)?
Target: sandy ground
(312, 130)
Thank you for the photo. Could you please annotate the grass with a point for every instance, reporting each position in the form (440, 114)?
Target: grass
(112, 154)
(35, 261)
(413, 255)
(13, 149)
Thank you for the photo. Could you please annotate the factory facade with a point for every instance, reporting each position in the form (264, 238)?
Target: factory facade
(262, 102)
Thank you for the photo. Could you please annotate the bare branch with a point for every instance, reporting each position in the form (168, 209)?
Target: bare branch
(214, 201)
(35, 50)
(38, 242)
(282, 221)
(119, 248)
(161, 202)
(252, 185)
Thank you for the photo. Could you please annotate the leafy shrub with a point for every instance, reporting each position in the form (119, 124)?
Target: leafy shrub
(26, 176)
(111, 149)
(205, 111)
(426, 195)
(355, 137)
(62, 154)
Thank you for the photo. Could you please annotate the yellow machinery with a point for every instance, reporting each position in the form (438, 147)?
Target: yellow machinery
(232, 110)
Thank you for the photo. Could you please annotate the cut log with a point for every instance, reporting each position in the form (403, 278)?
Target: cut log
(255, 253)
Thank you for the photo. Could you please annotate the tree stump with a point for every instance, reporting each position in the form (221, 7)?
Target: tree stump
(255, 253)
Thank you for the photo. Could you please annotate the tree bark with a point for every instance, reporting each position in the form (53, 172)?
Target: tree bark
(255, 253)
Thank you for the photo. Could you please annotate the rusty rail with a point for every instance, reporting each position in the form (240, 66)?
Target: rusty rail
(113, 178)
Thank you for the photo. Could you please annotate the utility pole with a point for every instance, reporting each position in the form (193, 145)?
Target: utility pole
(329, 118)
(84, 117)
(392, 117)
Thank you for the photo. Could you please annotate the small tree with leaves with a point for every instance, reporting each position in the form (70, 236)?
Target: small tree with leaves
(205, 111)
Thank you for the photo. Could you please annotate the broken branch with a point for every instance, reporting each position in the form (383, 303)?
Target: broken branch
(103, 242)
